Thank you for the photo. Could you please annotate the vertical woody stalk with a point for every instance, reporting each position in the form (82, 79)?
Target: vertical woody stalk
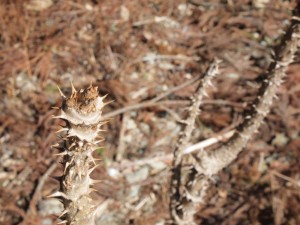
(221, 157)
(206, 164)
(179, 174)
(82, 112)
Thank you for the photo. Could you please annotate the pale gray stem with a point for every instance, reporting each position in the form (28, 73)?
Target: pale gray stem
(191, 177)
(82, 113)
(221, 157)
(178, 178)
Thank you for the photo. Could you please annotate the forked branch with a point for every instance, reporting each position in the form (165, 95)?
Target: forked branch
(178, 178)
(218, 159)
(191, 175)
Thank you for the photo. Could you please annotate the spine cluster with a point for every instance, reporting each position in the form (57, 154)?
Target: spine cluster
(82, 112)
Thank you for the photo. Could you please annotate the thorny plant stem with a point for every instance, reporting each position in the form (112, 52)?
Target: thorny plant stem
(184, 139)
(184, 202)
(284, 55)
(82, 112)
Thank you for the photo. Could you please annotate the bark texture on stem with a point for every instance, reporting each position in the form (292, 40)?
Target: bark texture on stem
(180, 173)
(218, 159)
(192, 174)
(82, 112)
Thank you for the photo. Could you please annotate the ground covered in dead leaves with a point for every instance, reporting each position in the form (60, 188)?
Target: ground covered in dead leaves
(147, 55)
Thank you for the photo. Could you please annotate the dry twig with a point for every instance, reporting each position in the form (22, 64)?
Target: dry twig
(179, 214)
(39, 187)
(188, 192)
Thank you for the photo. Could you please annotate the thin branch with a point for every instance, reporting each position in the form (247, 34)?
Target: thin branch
(215, 161)
(121, 145)
(204, 165)
(176, 88)
(286, 178)
(177, 194)
(202, 145)
(37, 192)
(142, 105)
(152, 103)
